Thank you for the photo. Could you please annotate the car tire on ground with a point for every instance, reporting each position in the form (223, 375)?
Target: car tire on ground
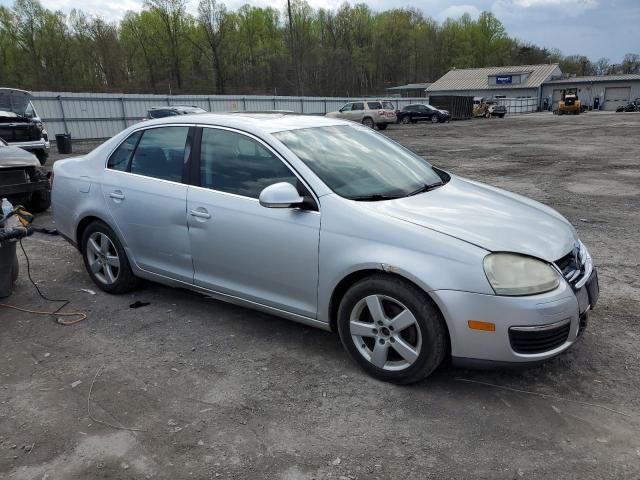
(501, 115)
(382, 126)
(392, 329)
(106, 261)
(368, 122)
(40, 201)
(406, 120)
(42, 156)
(434, 119)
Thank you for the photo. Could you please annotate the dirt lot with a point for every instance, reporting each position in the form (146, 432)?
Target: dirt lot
(211, 390)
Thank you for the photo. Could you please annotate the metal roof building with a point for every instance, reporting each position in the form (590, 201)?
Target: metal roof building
(608, 91)
(511, 82)
(409, 90)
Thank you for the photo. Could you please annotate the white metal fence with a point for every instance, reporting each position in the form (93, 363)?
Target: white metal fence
(102, 115)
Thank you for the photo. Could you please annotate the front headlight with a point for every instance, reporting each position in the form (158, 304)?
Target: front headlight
(512, 274)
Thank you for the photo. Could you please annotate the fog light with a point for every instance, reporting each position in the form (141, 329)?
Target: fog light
(478, 325)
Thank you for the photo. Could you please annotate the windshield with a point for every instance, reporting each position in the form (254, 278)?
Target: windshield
(430, 107)
(358, 163)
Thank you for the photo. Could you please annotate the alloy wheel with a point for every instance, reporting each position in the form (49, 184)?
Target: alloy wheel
(385, 332)
(103, 258)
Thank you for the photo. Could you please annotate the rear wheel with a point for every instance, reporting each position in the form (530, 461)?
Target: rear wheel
(392, 329)
(106, 261)
(368, 122)
(382, 126)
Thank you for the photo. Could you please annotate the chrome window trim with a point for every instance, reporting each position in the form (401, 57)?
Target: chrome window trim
(541, 328)
(143, 127)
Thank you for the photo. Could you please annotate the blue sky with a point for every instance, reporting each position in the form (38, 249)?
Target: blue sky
(596, 28)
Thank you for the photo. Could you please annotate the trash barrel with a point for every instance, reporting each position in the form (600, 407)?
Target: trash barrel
(8, 267)
(63, 142)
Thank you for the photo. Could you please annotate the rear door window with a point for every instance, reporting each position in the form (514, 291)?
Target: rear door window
(374, 105)
(357, 106)
(161, 153)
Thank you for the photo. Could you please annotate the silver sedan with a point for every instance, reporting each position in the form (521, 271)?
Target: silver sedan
(333, 225)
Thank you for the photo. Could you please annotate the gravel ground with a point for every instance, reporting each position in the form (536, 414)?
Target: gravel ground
(202, 389)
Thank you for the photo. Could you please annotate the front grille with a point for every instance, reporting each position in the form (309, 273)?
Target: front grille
(573, 265)
(13, 177)
(531, 340)
(22, 133)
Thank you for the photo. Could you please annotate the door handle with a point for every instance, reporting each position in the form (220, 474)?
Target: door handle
(117, 195)
(200, 213)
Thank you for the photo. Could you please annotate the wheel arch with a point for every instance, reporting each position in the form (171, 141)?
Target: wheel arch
(88, 220)
(352, 278)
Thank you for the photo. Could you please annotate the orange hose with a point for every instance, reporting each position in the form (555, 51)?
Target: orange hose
(82, 316)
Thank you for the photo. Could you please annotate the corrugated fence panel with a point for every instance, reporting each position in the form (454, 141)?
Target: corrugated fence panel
(102, 115)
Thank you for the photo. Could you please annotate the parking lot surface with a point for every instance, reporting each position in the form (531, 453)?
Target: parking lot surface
(202, 389)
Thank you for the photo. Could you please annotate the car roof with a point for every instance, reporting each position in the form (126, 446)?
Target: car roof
(254, 122)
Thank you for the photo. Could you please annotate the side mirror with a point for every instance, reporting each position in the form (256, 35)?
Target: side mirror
(280, 195)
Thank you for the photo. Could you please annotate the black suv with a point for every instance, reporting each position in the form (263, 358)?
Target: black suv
(422, 111)
(170, 111)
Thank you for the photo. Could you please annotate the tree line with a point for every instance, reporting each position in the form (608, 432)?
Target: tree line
(297, 50)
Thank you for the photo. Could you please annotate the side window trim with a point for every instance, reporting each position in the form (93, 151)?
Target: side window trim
(196, 159)
(188, 149)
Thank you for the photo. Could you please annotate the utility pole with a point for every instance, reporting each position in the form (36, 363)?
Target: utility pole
(294, 58)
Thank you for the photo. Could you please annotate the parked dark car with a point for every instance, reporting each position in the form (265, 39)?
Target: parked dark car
(22, 180)
(422, 112)
(630, 107)
(20, 124)
(173, 110)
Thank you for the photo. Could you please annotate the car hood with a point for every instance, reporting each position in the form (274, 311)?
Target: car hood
(15, 101)
(11, 157)
(488, 217)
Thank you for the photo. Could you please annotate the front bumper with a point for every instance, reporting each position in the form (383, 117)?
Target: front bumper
(34, 145)
(562, 306)
(23, 188)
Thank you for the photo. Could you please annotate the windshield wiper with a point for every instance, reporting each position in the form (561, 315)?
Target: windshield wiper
(426, 188)
(375, 197)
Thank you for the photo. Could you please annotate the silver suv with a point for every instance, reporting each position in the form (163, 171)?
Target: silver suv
(378, 113)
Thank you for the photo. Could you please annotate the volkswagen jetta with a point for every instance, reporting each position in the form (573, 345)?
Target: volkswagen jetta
(328, 223)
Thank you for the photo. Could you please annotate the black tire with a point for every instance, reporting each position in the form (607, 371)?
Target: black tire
(501, 115)
(42, 156)
(382, 126)
(429, 321)
(40, 201)
(435, 119)
(406, 120)
(125, 280)
(368, 122)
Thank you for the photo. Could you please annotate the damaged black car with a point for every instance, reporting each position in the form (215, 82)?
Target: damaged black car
(20, 125)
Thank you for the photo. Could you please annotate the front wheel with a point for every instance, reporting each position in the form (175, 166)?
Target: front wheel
(106, 261)
(392, 329)
(42, 156)
(406, 120)
(434, 119)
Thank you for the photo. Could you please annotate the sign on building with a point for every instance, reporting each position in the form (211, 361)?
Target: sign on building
(504, 79)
